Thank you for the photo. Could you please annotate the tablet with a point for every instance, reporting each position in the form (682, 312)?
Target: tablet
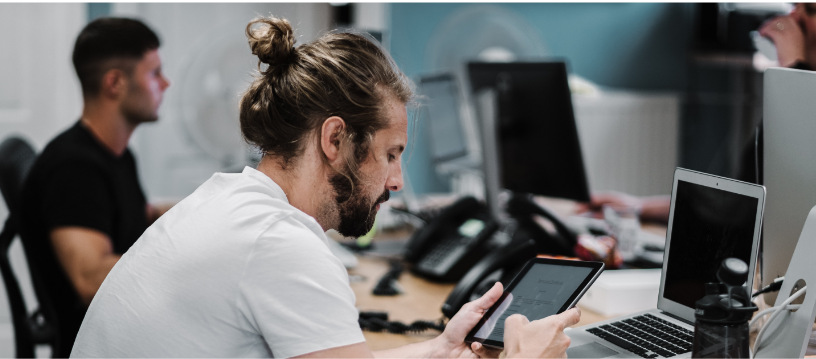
(543, 287)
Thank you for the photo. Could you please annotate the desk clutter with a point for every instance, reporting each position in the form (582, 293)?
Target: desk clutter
(718, 332)
(623, 290)
(475, 243)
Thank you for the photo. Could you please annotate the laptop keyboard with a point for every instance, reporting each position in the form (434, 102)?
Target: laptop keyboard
(647, 336)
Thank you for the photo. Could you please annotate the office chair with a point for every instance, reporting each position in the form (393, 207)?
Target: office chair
(16, 158)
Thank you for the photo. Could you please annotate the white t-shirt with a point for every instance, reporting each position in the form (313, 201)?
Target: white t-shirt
(233, 270)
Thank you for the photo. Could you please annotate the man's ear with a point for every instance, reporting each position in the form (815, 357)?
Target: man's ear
(114, 83)
(330, 134)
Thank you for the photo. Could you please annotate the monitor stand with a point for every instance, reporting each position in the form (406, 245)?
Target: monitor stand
(788, 335)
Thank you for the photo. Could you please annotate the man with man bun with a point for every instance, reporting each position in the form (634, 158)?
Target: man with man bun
(241, 268)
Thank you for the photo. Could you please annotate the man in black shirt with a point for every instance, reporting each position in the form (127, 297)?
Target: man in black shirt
(83, 206)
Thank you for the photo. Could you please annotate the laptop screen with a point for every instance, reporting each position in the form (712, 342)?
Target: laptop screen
(709, 225)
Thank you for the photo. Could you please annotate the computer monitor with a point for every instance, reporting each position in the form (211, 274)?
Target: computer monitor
(447, 135)
(537, 139)
(789, 130)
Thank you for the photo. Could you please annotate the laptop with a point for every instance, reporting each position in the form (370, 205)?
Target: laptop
(711, 218)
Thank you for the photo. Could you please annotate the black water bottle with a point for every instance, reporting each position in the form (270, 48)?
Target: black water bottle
(722, 316)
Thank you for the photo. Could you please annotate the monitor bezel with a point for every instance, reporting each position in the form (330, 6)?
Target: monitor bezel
(722, 183)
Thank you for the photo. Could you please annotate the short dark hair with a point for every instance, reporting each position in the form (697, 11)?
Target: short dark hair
(108, 39)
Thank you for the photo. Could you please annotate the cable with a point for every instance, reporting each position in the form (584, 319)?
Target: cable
(416, 220)
(782, 307)
(378, 322)
(386, 284)
(773, 287)
(768, 311)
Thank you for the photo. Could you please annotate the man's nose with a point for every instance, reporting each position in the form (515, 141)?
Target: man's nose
(395, 183)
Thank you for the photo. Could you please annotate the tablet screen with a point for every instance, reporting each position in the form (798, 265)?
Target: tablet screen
(543, 290)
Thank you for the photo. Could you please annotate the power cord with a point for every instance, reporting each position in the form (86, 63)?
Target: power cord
(378, 322)
(773, 287)
(776, 311)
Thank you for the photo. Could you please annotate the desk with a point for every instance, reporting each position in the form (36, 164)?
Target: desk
(422, 299)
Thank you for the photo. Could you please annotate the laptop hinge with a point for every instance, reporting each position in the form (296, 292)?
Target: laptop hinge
(676, 317)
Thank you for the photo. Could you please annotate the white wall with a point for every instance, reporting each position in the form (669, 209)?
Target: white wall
(39, 92)
(629, 140)
(203, 41)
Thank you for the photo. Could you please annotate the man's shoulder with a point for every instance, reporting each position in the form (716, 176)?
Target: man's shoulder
(291, 222)
(69, 150)
(240, 202)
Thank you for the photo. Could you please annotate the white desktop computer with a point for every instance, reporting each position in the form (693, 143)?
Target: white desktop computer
(789, 127)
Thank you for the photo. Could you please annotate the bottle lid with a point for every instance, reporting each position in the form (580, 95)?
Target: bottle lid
(727, 302)
(733, 271)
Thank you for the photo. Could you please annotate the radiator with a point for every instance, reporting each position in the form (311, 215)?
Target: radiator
(629, 140)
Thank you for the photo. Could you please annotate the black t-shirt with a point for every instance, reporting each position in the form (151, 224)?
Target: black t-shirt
(76, 181)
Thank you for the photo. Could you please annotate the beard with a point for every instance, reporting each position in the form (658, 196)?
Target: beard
(357, 213)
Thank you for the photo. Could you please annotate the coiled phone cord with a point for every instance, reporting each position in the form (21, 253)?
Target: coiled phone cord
(386, 284)
(378, 322)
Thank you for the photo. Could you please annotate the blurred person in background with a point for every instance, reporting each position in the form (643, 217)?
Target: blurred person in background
(241, 267)
(83, 206)
(794, 36)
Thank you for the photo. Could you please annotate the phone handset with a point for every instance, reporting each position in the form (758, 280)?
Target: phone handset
(523, 208)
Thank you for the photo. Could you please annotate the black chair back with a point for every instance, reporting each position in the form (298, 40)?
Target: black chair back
(16, 158)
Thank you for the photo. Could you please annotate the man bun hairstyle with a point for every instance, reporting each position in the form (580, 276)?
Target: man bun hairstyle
(339, 74)
(273, 43)
(104, 43)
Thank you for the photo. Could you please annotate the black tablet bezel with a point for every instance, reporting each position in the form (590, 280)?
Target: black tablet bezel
(597, 268)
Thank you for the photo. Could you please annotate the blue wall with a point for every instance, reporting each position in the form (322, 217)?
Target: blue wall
(98, 9)
(633, 46)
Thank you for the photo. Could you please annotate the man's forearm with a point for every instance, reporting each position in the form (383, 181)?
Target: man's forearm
(433, 348)
(87, 257)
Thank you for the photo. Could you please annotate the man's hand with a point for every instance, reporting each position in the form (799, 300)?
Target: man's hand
(653, 208)
(451, 344)
(611, 198)
(788, 37)
(543, 338)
